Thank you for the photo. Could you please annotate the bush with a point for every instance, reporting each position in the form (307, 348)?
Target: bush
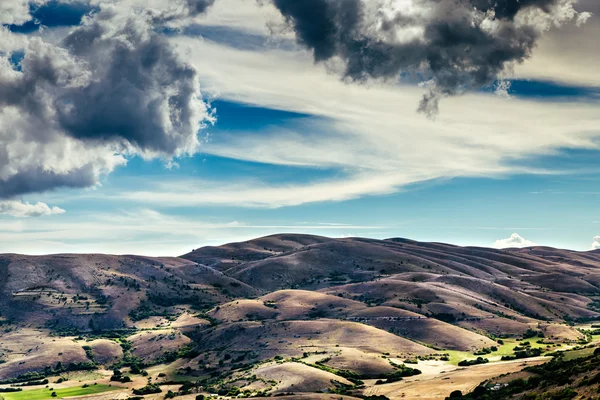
(34, 383)
(524, 353)
(478, 360)
(148, 389)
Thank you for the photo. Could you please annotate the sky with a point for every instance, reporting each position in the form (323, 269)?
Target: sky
(157, 127)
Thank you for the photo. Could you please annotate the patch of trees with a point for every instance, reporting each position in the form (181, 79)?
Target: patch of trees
(188, 351)
(531, 333)
(74, 366)
(33, 383)
(486, 350)
(151, 388)
(119, 377)
(554, 380)
(401, 372)
(89, 353)
(35, 377)
(344, 373)
(166, 300)
(523, 353)
(477, 361)
(146, 310)
(130, 283)
(28, 376)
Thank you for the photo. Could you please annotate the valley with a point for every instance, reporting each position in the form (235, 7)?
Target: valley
(295, 316)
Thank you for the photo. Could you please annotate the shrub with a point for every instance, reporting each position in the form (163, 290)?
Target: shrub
(151, 388)
(34, 383)
(478, 360)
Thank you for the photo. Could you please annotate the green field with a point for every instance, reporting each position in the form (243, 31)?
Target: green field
(44, 394)
(573, 354)
(505, 349)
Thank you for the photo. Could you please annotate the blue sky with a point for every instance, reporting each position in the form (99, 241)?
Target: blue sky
(295, 149)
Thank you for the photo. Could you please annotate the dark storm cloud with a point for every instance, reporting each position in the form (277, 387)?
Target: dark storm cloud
(510, 8)
(112, 86)
(196, 7)
(456, 50)
(141, 93)
(323, 25)
(37, 179)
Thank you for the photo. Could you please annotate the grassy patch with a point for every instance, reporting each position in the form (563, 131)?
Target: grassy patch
(505, 349)
(46, 393)
(581, 353)
(82, 376)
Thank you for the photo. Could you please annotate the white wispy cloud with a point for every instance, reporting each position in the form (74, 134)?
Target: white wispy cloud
(16, 208)
(144, 231)
(256, 194)
(369, 132)
(514, 241)
(596, 243)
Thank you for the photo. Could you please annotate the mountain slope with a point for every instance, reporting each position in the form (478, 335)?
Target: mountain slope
(353, 307)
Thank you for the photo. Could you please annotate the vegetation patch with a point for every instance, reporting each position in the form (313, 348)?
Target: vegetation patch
(558, 379)
(47, 393)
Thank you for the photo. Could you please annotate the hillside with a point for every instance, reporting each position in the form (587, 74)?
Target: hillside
(265, 314)
(565, 377)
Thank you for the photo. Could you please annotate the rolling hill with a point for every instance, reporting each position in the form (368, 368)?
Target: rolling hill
(290, 306)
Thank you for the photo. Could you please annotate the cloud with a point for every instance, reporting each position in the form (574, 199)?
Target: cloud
(514, 241)
(15, 208)
(456, 44)
(252, 194)
(140, 94)
(71, 111)
(595, 243)
(566, 55)
(369, 134)
(186, 9)
(141, 231)
(75, 109)
(16, 11)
